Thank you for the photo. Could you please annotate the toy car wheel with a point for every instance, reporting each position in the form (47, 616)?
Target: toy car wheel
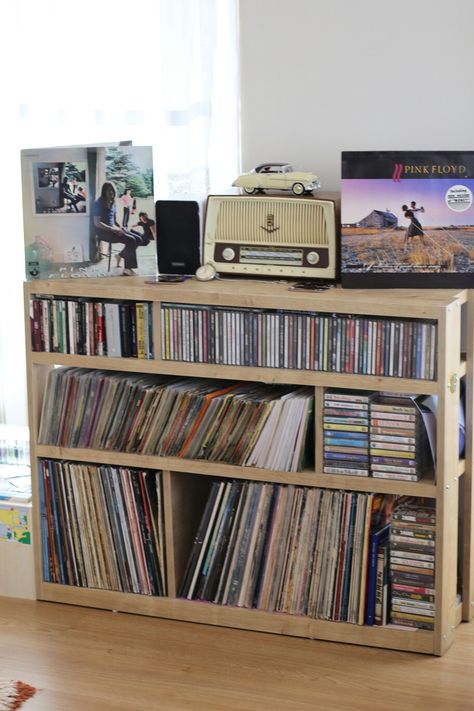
(250, 191)
(298, 189)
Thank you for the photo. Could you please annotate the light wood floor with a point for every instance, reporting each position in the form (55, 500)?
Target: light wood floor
(92, 660)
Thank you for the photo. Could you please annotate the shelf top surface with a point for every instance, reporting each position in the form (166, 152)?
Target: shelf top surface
(252, 293)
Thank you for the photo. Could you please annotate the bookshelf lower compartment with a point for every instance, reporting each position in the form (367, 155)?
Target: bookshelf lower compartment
(415, 640)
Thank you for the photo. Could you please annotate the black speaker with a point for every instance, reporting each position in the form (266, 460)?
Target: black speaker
(178, 236)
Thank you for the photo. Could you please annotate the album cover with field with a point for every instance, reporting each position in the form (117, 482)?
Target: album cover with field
(407, 219)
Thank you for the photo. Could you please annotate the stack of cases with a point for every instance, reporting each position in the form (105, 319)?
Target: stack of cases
(412, 563)
(398, 442)
(346, 432)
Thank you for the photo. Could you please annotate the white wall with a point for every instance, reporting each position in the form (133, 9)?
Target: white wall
(319, 77)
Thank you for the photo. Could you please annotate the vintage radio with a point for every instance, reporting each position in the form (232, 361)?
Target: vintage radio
(278, 236)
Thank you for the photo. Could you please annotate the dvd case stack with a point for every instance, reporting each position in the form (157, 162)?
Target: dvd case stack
(346, 432)
(398, 442)
(412, 563)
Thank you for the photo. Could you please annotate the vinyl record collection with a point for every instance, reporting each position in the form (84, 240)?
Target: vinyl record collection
(102, 527)
(343, 556)
(251, 424)
(300, 340)
(285, 548)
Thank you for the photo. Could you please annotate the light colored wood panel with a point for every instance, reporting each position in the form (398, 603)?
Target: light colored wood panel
(389, 637)
(449, 337)
(135, 365)
(205, 468)
(36, 378)
(414, 303)
(232, 372)
(17, 570)
(467, 502)
(36, 516)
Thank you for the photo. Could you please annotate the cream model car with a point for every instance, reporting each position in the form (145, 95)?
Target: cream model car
(277, 176)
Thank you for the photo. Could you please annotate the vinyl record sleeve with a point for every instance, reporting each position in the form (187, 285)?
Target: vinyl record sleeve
(67, 217)
(407, 219)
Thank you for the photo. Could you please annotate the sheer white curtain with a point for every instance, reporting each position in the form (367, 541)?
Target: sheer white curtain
(158, 72)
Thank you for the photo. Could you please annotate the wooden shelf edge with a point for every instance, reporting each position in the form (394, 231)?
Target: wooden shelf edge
(260, 293)
(388, 637)
(220, 469)
(313, 378)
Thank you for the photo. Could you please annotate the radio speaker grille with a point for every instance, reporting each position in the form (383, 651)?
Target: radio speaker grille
(280, 222)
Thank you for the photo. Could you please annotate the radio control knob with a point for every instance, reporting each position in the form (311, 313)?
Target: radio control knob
(312, 257)
(228, 254)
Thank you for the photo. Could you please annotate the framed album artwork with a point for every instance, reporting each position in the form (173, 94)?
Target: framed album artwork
(88, 211)
(407, 219)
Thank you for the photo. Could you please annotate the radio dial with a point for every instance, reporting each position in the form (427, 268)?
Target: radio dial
(228, 254)
(312, 257)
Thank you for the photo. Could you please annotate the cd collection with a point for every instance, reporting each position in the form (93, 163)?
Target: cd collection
(299, 340)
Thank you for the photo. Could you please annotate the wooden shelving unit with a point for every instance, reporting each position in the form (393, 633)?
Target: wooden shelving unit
(184, 475)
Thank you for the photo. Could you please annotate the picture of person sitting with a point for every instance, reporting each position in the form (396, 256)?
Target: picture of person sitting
(147, 233)
(67, 196)
(81, 194)
(104, 213)
(148, 227)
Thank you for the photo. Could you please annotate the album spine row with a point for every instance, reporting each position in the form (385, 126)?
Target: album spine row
(102, 527)
(121, 329)
(241, 424)
(288, 549)
(404, 348)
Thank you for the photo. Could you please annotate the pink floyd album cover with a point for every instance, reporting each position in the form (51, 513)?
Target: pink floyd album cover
(407, 219)
(88, 211)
